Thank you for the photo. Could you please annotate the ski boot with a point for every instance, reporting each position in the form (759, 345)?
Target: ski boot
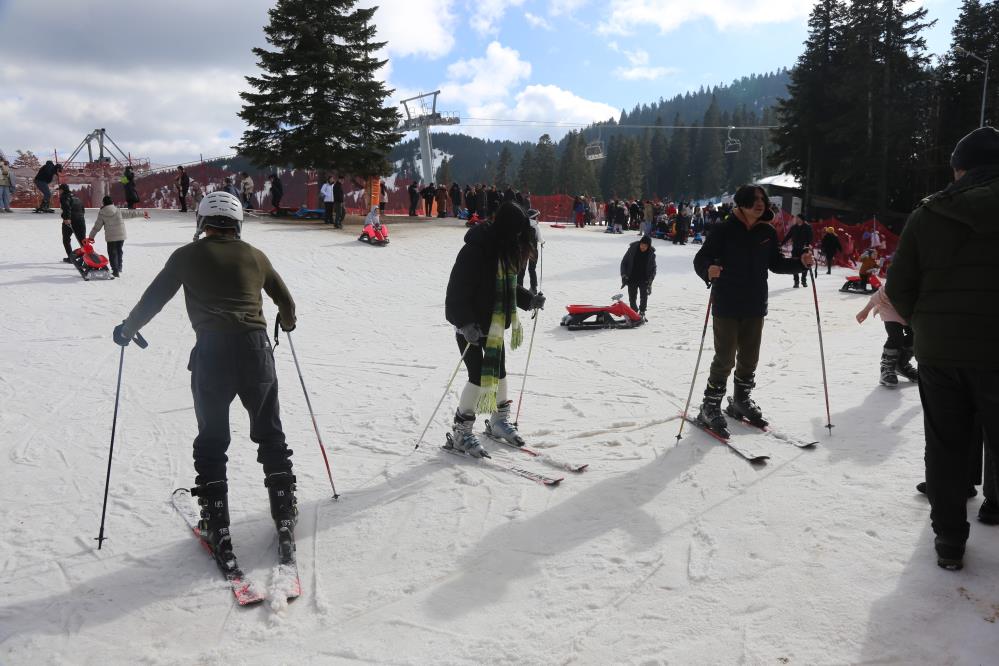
(904, 366)
(284, 511)
(214, 524)
(710, 416)
(463, 439)
(950, 555)
(498, 426)
(988, 513)
(742, 406)
(889, 361)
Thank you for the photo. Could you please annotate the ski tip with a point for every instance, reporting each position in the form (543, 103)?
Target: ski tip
(581, 468)
(552, 483)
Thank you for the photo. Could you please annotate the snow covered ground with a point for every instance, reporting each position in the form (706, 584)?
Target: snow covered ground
(662, 552)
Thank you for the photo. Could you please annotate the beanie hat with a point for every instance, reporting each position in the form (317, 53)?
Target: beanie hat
(646, 240)
(977, 149)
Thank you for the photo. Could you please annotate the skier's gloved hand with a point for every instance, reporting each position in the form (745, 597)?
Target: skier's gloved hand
(537, 302)
(472, 333)
(119, 336)
(285, 328)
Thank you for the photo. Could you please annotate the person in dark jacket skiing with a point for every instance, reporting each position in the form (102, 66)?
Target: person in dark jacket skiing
(414, 198)
(734, 261)
(800, 237)
(481, 303)
(830, 247)
(74, 222)
(43, 179)
(638, 270)
(941, 281)
(223, 277)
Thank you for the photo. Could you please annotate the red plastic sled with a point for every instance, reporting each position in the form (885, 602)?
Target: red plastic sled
(376, 235)
(853, 285)
(582, 317)
(89, 263)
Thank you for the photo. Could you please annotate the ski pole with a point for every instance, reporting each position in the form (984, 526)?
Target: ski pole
(439, 402)
(822, 353)
(530, 346)
(308, 402)
(139, 340)
(697, 364)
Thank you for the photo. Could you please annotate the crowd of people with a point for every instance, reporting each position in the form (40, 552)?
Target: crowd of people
(474, 203)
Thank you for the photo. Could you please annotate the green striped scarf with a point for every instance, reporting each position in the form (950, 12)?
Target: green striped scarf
(492, 353)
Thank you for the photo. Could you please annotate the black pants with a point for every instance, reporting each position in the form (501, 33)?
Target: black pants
(223, 366)
(951, 398)
(899, 336)
(328, 207)
(115, 254)
(341, 212)
(532, 269)
(183, 200)
(473, 359)
(633, 291)
(829, 262)
(76, 228)
(276, 201)
(413, 203)
(802, 276)
(428, 207)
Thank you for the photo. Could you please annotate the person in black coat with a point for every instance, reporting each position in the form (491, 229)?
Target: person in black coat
(414, 198)
(638, 270)
(73, 221)
(734, 261)
(277, 191)
(455, 193)
(428, 193)
(800, 237)
(472, 299)
(131, 195)
(46, 174)
(830, 246)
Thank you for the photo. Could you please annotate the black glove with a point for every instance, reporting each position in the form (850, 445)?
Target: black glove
(472, 333)
(119, 336)
(537, 302)
(283, 327)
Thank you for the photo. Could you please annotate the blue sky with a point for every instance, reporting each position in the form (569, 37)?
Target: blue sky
(166, 84)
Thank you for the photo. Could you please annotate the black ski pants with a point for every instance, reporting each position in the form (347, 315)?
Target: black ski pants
(340, 213)
(899, 336)
(737, 344)
(951, 398)
(223, 366)
(634, 289)
(802, 275)
(76, 228)
(43, 187)
(428, 207)
(115, 252)
(182, 191)
(413, 203)
(473, 359)
(328, 210)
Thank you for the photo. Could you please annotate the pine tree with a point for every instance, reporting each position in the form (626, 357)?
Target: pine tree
(678, 172)
(526, 172)
(443, 174)
(318, 103)
(503, 168)
(708, 160)
(545, 166)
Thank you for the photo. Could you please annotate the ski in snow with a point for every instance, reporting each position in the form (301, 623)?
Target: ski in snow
(243, 588)
(801, 443)
(543, 457)
(285, 584)
(747, 453)
(513, 469)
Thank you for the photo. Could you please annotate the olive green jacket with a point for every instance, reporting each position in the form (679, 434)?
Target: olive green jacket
(943, 278)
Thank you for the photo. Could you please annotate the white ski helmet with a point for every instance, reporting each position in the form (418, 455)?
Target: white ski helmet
(221, 210)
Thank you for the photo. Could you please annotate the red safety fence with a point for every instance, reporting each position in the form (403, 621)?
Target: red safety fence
(854, 238)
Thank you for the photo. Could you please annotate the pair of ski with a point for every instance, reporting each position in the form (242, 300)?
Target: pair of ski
(541, 479)
(285, 580)
(754, 456)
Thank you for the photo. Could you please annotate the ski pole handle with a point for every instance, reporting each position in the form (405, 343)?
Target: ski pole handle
(140, 341)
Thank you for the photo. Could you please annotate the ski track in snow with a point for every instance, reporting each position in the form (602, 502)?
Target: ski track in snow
(661, 552)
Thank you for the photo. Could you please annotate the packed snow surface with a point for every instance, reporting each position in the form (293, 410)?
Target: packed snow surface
(661, 552)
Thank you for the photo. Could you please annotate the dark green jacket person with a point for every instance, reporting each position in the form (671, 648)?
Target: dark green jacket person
(943, 275)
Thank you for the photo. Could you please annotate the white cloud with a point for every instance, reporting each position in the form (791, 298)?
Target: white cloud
(560, 7)
(485, 14)
(626, 15)
(536, 110)
(477, 79)
(415, 27)
(643, 73)
(536, 21)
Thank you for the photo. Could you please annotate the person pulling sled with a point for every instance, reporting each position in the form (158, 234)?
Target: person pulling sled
(481, 303)
(223, 277)
(734, 261)
(638, 270)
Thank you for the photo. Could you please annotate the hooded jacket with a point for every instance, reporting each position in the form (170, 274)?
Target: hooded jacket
(109, 217)
(628, 263)
(471, 290)
(942, 277)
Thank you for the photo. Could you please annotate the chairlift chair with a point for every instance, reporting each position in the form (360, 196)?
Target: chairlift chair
(594, 150)
(732, 146)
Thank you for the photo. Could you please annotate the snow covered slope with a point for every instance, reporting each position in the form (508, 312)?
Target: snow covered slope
(662, 552)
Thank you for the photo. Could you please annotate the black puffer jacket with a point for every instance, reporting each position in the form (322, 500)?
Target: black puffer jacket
(628, 264)
(942, 277)
(745, 256)
(72, 207)
(471, 291)
(799, 235)
(47, 172)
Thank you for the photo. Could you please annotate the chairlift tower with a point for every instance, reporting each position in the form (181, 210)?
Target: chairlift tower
(421, 115)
